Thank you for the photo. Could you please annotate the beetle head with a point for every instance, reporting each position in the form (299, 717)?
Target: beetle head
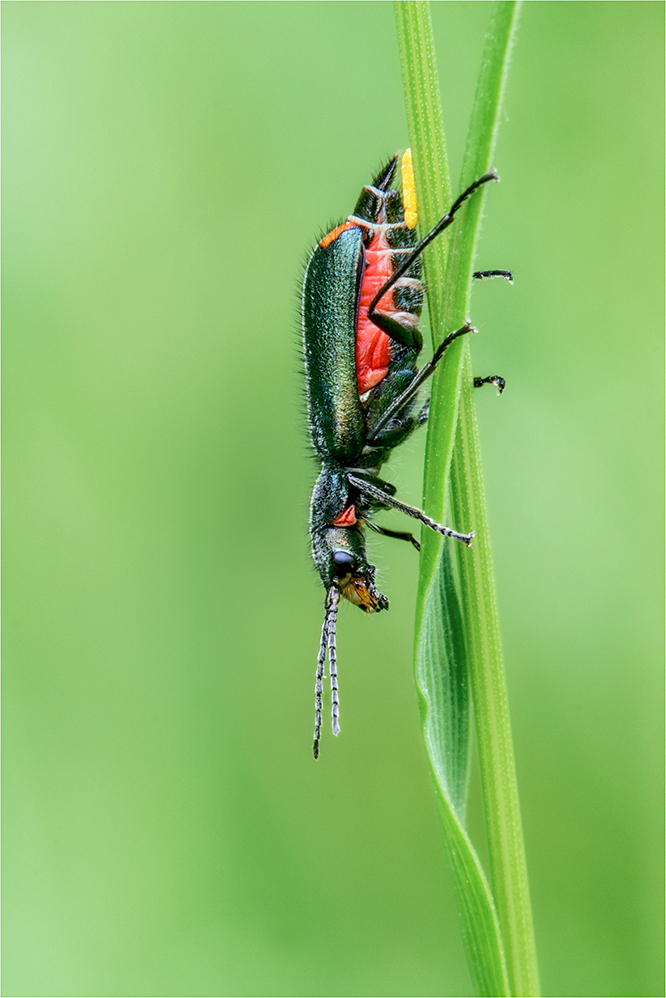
(339, 554)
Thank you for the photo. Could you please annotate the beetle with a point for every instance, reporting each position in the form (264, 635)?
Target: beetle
(361, 302)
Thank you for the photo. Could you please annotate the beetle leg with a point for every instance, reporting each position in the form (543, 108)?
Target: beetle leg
(484, 275)
(402, 327)
(443, 224)
(398, 534)
(425, 372)
(492, 379)
(381, 600)
(384, 499)
(333, 667)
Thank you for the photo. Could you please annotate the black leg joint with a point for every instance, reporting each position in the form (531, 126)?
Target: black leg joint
(486, 275)
(492, 379)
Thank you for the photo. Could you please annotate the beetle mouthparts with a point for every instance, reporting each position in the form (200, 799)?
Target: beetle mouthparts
(361, 592)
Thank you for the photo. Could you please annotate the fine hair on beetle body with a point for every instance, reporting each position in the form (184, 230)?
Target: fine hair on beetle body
(361, 302)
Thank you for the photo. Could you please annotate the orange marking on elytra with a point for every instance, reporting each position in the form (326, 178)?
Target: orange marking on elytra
(332, 236)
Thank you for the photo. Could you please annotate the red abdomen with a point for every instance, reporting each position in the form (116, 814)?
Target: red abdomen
(373, 347)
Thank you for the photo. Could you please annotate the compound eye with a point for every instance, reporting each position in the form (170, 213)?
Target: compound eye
(342, 564)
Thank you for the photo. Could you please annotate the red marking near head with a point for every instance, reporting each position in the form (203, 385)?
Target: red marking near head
(332, 236)
(347, 518)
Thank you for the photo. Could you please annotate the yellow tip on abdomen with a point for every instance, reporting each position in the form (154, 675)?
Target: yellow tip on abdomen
(408, 190)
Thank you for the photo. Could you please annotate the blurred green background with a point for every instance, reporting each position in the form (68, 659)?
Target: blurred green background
(166, 831)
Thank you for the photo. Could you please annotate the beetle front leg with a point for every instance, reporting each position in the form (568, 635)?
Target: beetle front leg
(378, 492)
(400, 535)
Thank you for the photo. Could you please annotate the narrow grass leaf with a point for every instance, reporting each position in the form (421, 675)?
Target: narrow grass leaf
(508, 868)
(440, 653)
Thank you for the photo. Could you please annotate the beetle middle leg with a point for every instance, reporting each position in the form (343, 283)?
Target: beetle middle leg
(412, 388)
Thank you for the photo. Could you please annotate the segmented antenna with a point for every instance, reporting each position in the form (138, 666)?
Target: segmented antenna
(327, 644)
(332, 665)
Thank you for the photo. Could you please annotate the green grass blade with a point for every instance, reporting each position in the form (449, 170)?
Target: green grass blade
(440, 657)
(457, 629)
(508, 868)
(431, 171)
(442, 687)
